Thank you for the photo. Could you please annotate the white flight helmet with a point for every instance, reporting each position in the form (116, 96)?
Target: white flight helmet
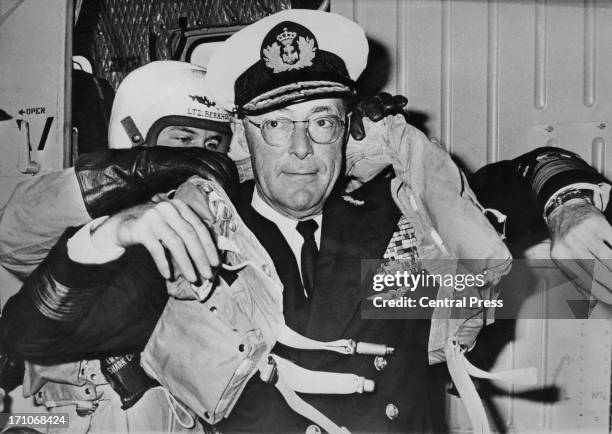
(161, 94)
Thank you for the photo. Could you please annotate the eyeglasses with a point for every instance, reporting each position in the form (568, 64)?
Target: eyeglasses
(322, 129)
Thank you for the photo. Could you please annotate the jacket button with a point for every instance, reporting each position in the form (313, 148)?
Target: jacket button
(391, 411)
(313, 429)
(380, 363)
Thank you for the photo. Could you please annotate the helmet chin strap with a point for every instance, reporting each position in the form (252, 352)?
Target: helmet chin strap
(132, 131)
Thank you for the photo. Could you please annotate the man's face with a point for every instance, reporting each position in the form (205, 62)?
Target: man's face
(297, 178)
(180, 136)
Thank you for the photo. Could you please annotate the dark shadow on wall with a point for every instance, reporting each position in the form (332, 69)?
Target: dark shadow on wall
(378, 70)
(418, 119)
(376, 77)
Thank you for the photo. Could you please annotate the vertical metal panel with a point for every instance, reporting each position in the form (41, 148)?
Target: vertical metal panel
(34, 85)
(540, 89)
(565, 75)
(66, 141)
(34, 88)
(359, 11)
(469, 82)
(517, 24)
(493, 81)
(423, 26)
(598, 152)
(402, 52)
(590, 53)
(446, 84)
(344, 7)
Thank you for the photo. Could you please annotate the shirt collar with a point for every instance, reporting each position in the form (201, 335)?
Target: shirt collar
(284, 223)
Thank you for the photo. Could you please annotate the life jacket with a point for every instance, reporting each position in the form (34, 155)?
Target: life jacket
(210, 341)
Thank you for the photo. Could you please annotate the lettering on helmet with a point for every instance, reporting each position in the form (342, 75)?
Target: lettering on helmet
(207, 114)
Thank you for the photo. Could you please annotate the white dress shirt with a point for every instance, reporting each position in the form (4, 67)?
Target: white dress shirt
(287, 226)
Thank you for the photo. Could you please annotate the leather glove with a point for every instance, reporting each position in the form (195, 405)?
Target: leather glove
(11, 370)
(113, 180)
(375, 108)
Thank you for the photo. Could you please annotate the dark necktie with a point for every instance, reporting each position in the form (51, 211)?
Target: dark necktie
(307, 230)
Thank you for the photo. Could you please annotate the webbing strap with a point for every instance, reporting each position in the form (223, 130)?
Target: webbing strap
(293, 339)
(467, 391)
(461, 369)
(307, 381)
(300, 406)
(132, 131)
(526, 376)
(173, 405)
(81, 405)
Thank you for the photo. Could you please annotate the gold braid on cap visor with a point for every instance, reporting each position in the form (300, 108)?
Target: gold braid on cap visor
(300, 90)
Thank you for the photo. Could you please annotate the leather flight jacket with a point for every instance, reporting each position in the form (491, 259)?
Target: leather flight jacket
(113, 180)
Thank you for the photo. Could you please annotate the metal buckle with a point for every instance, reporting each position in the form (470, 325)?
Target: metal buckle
(269, 374)
(86, 408)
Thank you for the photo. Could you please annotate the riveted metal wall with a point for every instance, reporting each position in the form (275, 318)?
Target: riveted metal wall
(491, 76)
(492, 79)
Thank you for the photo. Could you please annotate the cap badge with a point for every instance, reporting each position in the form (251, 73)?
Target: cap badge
(202, 100)
(287, 54)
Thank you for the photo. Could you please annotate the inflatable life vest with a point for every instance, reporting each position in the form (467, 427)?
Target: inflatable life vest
(209, 341)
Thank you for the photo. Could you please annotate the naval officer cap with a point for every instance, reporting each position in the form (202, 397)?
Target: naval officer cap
(288, 57)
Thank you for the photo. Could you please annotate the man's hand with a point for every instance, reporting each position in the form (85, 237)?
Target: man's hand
(174, 226)
(375, 108)
(582, 247)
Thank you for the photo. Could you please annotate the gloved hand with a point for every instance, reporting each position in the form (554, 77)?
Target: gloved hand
(375, 108)
(11, 371)
(113, 180)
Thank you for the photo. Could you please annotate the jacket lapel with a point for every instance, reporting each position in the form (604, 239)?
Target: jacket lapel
(354, 229)
(270, 237)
